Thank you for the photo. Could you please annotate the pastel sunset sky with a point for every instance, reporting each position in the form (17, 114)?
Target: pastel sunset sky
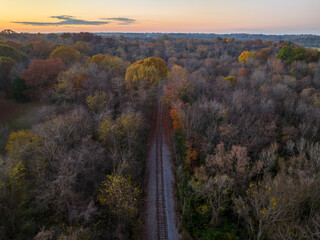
(217, 16)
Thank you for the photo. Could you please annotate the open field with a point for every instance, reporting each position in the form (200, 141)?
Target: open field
(15, 116)
(316, 48)
(11, 111)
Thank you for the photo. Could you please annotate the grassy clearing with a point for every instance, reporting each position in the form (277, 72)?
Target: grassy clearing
(15, 116)
(317, 48)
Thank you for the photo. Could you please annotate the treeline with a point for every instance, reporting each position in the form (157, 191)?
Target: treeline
(306, 40)
(18, 50)
(246, 124)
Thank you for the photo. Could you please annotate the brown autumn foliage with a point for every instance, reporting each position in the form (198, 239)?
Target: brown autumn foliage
(42, 75)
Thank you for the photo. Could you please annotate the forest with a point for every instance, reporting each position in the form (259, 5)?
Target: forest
(305, 40)
(245, 133)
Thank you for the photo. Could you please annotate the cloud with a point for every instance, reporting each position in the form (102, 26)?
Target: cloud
(65, 20)
(121, 20)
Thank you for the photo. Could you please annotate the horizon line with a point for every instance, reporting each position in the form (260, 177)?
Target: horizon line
(146, 32)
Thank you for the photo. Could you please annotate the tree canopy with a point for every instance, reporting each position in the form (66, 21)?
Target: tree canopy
(146, 73)
(42, 75)
(68, 55)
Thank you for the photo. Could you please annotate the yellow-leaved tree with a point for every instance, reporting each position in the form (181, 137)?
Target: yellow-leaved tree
(232, 79)
(244, 56)
(121, 136)
(20, 144)
(146, 73)
(98, 101)
(68, 55)
(120, 195)
(106, 61)
(83, 47)
(122, 129)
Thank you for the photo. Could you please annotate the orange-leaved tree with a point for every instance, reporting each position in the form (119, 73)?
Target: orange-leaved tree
(179, 87)
(178, 76)
(176, 118)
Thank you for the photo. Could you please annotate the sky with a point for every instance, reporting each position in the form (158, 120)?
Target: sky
(205, 16)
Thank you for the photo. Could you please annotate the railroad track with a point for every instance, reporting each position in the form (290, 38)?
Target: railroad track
(162, 226)
(159, 209)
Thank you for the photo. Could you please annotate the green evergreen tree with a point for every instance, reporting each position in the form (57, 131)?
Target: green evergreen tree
(18, 88)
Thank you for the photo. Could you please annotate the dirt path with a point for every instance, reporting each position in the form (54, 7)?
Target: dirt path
(160, 219)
